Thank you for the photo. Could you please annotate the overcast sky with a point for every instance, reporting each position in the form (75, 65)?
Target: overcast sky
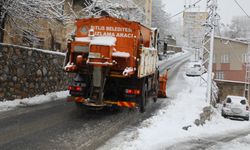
(227, 8)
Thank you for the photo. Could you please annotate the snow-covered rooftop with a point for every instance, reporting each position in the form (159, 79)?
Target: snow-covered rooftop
(229, 39)
(230, 81)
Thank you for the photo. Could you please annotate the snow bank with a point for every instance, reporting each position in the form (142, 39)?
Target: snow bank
(166, 125)
(165, 128)
(8, 105)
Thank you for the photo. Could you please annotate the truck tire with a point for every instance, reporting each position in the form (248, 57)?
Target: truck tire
(156, 86)
(156, 94)
(143, 99)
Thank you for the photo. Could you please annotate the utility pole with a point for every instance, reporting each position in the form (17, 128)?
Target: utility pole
(247, 78)
(210, 25)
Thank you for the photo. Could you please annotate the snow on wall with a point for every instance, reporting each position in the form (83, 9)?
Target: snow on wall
(35, 49)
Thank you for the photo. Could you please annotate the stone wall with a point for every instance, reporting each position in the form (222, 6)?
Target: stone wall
(26, 72)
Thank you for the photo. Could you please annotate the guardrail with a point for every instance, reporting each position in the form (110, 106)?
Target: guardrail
(169, 63)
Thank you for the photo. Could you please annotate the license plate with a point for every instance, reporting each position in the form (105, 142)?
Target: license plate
(94, 55)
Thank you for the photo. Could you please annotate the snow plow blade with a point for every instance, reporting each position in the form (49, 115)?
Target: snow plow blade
(163, 85)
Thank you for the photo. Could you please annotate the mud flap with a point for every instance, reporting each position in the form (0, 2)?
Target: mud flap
(163, 85)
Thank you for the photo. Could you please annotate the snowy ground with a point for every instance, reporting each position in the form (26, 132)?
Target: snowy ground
(164, 129)
(8, 105)
(242, 143)
(173, 57)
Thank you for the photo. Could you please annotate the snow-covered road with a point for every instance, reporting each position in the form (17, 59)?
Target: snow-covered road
(164, 129)
(242, 143)
(49, 122)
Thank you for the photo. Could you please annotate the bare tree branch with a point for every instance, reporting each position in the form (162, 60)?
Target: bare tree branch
(25, 14)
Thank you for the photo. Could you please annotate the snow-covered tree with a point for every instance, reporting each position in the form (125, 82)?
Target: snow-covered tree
(176, 30)
(238, 28)
(23, 15)
(160, 18)
(126, 9)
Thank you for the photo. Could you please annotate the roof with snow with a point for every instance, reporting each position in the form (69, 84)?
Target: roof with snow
(230, 81)
(233, 40)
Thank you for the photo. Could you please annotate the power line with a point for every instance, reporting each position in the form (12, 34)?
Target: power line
(241, 8)
(190, 6)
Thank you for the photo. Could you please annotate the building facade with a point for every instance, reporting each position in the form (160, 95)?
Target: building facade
(230, 57)
(51, 36)
(193, 30)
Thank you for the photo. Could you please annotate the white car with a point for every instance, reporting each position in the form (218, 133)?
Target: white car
(236, 107)
(195, 69)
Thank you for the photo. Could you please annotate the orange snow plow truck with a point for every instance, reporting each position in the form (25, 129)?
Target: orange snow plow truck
(114, 63)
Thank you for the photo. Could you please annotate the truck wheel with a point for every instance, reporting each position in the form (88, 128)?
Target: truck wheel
(156, 86)
(247, 118)
(223, 114)
(155, 99)
(143, 99)
(156, 92)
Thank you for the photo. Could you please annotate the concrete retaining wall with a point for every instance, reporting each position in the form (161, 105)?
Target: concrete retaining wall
(26, 72)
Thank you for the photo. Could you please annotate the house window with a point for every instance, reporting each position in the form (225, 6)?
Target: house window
(245, 58)
(220, 75)
(225, 58)
(248, 57)
(214, 58)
